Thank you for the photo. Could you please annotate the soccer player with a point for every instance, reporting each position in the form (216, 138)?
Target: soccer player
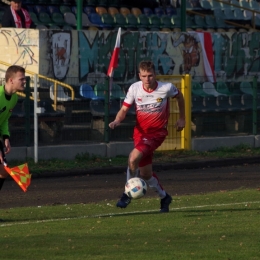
(151, 99)
(14, 81)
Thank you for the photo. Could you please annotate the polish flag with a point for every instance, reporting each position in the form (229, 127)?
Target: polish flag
(207, 53)
(114, 59)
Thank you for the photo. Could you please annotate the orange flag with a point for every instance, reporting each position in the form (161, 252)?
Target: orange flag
(21, 175)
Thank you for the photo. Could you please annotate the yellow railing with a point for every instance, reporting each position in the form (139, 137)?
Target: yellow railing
(56, 83)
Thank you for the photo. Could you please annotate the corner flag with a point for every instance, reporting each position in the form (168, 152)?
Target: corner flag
(114, 59)
(21, 175)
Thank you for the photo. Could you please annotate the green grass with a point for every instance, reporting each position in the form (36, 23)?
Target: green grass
(86, 161)
(223, 225)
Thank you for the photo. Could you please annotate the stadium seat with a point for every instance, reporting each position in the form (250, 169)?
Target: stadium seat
(67, 27)
(116, 91)
(210, 103)
(246, 87)
(54, 27)
(74, 10)
(229, 15)
(136, 11)
(88, 10)
(87, 91)
(143, 22)
(70, 19)
(58, 19)
(124, 11)
(112, 11)
(53, 9)
(147, 11)
(101, 10)
(197, 90)
(108, 21)
(170, 11)
(86, 22)
(55, 2)
(206, 5)
(210, 21)
(197, 104)
(209, 88)
(61, 95)
(200, 22)
(159, 11)
(40, 9)
(155, 22)
(65, 9)
(45, 19)
(35, 18)
(247, 102)
(166, 22)
(222, 103)
(132, 22)
(120, 21)
(222, 88)
(235, 102)
(97, 107)
(41, 27)
(94, 19)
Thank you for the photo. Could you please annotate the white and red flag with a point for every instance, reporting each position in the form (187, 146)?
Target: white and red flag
(207, 53)
(114, 59)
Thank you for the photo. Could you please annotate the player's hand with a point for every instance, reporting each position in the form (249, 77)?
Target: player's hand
(180, 124)
(114, 124)
(7, 146)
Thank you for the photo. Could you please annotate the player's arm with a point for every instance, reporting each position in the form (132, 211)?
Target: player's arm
(180, 124)
(119, 117)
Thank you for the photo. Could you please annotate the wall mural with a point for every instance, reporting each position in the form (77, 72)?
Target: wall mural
(21, 47)
(85, 55)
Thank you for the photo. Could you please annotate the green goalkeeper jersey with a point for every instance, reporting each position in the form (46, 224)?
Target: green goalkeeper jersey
(6, 107)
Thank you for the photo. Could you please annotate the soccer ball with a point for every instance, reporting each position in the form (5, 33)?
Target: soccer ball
(135, 188)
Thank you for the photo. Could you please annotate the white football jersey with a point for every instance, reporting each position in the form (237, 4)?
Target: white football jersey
(152, 108)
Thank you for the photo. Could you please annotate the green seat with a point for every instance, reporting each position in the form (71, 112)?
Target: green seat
(199, 21)
(155, 22)
(197, 90)
(58, 19)
(45, 19)
(120, 21)
(54, 27)
(166, 22)
(34, 18)
(108, 20)
(65, 9)
(132, 22)
(143, 21)
(246, 87)
(222, 88)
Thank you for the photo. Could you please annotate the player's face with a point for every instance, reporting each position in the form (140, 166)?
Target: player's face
(148, 78)
(18, 82)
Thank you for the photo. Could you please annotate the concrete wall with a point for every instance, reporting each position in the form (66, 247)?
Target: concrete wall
(68, 152)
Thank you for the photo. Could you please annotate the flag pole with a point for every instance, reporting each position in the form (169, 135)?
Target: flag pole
(110, 73)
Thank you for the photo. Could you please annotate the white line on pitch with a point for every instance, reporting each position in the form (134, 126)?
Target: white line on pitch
(125, 213)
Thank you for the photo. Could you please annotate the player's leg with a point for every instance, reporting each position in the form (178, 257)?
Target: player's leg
(132, 171)
(146, 172)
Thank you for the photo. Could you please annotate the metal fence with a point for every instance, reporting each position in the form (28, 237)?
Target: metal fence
(217, 109)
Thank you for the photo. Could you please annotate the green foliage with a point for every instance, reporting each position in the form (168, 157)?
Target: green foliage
(221, 225)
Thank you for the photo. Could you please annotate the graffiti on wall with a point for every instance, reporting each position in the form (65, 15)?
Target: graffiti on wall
(236, 54)
(20, 45)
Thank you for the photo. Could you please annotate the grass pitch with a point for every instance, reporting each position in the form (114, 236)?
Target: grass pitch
(223, 225)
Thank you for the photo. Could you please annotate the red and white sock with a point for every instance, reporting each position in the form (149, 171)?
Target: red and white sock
(154, 184)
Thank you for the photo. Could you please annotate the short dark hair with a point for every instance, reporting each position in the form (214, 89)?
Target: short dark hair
(146, 66)
(13, 70)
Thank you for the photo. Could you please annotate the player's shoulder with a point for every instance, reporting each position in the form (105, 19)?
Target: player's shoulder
(164, 84)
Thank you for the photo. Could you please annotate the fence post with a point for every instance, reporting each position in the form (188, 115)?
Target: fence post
(27, 112)
(254, 106)
(107, 94)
